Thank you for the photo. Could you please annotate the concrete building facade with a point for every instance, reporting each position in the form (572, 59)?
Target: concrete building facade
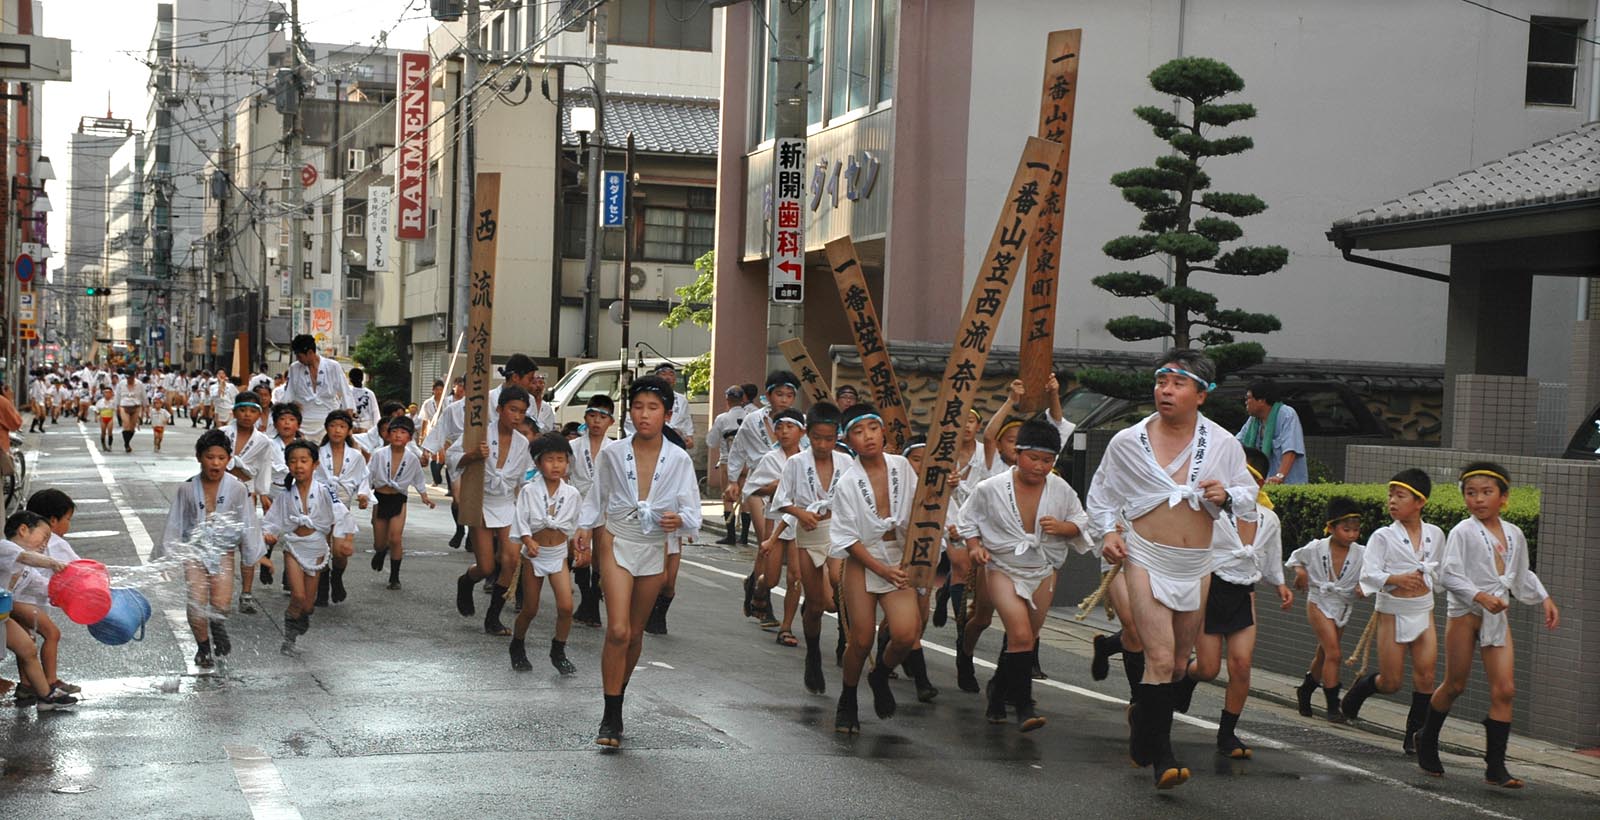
(89, 194)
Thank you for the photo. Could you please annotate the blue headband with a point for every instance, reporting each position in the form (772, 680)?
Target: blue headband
(239, 404)
(1205, 386)
(860, 418)
(601, 410)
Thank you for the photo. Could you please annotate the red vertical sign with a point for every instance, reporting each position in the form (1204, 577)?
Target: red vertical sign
(411, 174)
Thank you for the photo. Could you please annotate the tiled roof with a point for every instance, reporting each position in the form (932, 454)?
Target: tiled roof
(925, 357)
(660, 125)
(1562, 169)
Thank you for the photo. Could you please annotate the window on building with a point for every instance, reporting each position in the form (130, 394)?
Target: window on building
(815, 71)
(355, 225)
(514, 27)
(852, 33)
(888, 33)
(355, 288)
(497, 36)
(1553, 61)
(533, 21)
(355, 159)
(680, 24)
(574, 236)
(764, 84)
(677, 235)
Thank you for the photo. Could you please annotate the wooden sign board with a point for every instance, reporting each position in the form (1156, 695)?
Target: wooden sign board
(482, 228)
(1041, 287)
(1019, 218)
(811, 381)
(241, 356)
(868, 334)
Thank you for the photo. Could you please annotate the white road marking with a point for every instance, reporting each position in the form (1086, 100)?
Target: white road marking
(177, 620)
(261, 784)
(1315, 757)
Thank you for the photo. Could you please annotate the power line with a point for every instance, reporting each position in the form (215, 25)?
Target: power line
(1531, 22)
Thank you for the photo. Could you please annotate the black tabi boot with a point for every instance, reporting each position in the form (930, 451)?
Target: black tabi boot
(744, 529)
(656, 624)
(202, 656)
(1104, 647)
(1428, 742)
(464, 604)
(1229, 743)
(461, 532)
(291, 631)
(378, 557)
(324, 587)
(219, 639)
(882, 696)
(846, 721)
(1497, 735)
(1183, 693)
(816, 684)
(750, 595)
(1021, 694)
(491, 618)
(998, 688)
(1169, 773)
(1302, 695)
(519, 656)
(877, 658)
(838, 649)
(558, 658)
(610, 734)
(1414, 719)
(966, 676)
(1138, 733)
(1035, 671)
(729, 537)
(394, 574)
(337, 593)
(1365, 687)
(1331, 695)
(941, 605)
(1133, 668)
(916, 665)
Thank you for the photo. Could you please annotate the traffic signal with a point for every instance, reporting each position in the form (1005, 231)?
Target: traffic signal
(97, 291)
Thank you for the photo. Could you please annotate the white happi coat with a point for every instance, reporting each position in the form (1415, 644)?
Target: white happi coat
(1468, 568)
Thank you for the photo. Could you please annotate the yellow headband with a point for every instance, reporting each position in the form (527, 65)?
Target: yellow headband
(1327, 528)
(1418, 493)
(1010, 424)
(1490, 473)
(1255, 473)
(1262, 500)
(974, 411)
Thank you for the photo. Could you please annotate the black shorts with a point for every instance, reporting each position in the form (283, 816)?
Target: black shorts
(389, 505)
(1229, 607)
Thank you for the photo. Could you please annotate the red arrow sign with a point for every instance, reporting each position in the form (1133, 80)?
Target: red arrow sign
(308, 176)
(791, 269)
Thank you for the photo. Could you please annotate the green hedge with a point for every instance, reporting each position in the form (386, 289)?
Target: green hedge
(1302, 507)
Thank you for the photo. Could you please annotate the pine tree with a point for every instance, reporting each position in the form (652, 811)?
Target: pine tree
(1168, 194)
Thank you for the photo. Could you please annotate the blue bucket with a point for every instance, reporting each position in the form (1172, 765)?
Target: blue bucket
(5, 604)
(125, 622)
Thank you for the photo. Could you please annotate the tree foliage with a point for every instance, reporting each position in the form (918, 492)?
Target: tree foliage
(1168, 193)
(696, 310)
(379, 353)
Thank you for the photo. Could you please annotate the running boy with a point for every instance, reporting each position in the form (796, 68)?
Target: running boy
(212, 518)
(1401, 568)
(1485, 561)
(306, 516)
(392, 470)
(1329, 570)
(646, 500)
(547, 516)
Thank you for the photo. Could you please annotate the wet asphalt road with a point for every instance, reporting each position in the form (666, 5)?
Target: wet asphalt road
(398, 707)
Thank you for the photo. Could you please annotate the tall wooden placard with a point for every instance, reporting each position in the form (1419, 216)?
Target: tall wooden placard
(814, 385)
(1019, 218)
(241, 356)
(482, 227)
(1041, 286)
(868, 335)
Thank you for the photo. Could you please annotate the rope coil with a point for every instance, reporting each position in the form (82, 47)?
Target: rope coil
(1088, 604)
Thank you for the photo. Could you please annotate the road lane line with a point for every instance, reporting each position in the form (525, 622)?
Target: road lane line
(1265, 742)
(261, 784)
(177, 619)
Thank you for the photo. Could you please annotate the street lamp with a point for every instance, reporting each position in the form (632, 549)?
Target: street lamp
(43, 171)
(585, 122)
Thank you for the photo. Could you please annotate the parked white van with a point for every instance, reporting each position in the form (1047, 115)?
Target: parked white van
(571, 394)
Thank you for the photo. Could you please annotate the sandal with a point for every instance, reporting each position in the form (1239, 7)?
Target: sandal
(787, 638)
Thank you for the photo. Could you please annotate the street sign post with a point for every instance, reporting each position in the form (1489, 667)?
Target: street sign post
(24, 268)
(613, 205)
(787, 277)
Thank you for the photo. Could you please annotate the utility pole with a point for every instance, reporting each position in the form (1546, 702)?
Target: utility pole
(297, 204)
(786, 321)
(466, 168)
(591, 219)
(627, 258)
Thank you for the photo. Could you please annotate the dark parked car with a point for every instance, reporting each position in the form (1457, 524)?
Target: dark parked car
(1585, 442)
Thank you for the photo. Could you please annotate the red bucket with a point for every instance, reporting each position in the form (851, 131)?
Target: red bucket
(83, 591)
